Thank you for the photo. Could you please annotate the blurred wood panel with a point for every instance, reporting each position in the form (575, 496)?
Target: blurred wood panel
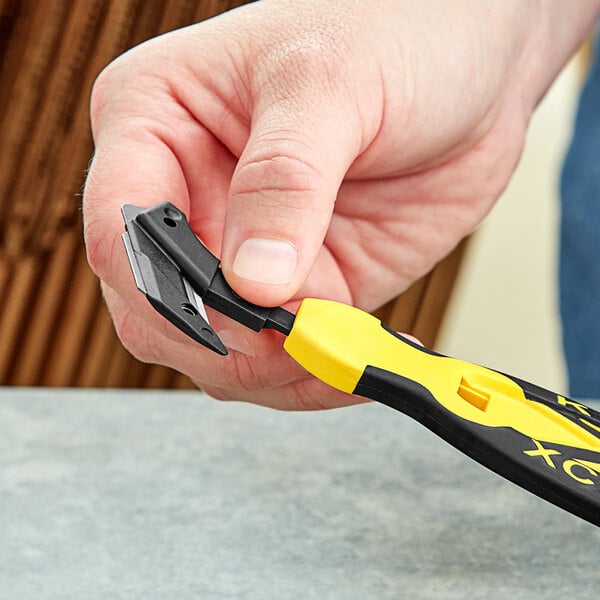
(21, 290)
(54, 327)
(43, 313)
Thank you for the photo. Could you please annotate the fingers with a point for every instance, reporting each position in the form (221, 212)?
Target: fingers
(148, 148)
(151, 340)
(303, 139)
(130, 172)
(306, 393)
(131, 164)
(271, 379)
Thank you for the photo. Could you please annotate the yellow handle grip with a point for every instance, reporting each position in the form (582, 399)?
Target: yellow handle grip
(336, 343)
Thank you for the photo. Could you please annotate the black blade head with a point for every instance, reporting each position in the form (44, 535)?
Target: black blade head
(164, 285)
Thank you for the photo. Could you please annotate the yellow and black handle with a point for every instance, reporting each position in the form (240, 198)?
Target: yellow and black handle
(542, 441)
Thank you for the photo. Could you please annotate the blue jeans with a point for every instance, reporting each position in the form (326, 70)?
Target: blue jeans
(579, 267)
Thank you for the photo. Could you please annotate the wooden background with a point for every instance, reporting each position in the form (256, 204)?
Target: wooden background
(54, 327)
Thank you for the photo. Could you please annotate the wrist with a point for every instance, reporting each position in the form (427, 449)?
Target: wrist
(555, 30)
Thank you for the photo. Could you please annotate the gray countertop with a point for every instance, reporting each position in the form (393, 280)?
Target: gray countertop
(173, 495)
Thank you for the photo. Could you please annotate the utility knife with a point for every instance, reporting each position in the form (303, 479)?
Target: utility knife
(544, 442)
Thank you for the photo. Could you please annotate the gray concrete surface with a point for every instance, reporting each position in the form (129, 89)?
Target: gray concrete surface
(172, 495)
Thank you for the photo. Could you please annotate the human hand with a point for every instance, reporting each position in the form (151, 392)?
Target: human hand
(324, 149)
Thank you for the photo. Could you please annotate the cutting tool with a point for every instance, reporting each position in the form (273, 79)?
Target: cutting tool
(544, 442)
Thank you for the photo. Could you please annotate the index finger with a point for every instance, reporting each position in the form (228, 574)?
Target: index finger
(149, 149)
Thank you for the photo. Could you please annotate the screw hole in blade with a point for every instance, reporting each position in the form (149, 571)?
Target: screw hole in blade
(190, 309)
(172, 213)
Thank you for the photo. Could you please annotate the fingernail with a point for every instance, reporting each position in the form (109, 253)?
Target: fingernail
(266, 260)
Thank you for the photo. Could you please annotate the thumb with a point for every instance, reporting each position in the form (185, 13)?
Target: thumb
(282, 196)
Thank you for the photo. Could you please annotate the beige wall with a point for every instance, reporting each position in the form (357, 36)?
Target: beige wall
(504, 313)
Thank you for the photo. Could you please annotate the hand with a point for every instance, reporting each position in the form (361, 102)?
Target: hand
(330, 149)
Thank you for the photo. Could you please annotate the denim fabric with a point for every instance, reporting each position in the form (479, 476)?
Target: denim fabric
(579, 267)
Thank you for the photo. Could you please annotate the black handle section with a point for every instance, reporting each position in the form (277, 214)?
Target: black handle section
(565, 476)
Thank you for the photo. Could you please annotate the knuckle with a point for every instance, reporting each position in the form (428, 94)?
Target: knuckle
(100, 90)
(99, 232)
(311, 57)
(310, 62)
(278, 180)
(282, 165)
(125, 90)
(108, 81)
(99, 247)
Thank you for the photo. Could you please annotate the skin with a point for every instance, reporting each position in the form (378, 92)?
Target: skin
(369, 139)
